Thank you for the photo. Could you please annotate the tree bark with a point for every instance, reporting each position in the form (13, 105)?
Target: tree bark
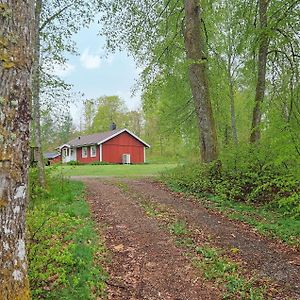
(232, 104)
(16, 55)
(197, 56)
(261, 72)
(36, 107)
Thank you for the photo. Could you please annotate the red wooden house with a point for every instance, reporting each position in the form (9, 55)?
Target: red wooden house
(115, 146)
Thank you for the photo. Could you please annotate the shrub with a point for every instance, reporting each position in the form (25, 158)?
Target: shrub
(74, 163)
(256, 184)
(97, 163)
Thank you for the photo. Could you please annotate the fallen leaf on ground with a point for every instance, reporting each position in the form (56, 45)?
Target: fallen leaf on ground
(234, 250)
(119, 247)
(295, 262)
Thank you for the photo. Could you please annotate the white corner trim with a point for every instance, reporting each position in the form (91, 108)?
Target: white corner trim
(75, 153)
(128, 131)
(144, 154)
(100, 148)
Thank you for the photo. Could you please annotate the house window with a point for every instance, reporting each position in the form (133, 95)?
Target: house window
(93, 151)
(84, 152)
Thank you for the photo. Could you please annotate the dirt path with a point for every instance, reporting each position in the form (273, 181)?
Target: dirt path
(146, 264)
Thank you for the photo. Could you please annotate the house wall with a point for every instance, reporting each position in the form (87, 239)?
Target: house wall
(55, 160)
(88, 159)
(123, 143)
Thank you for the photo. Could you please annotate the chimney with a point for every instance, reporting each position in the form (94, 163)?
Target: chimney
(113, 126)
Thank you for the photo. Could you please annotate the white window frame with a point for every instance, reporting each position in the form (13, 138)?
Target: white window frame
(86, 152)
(93, 148)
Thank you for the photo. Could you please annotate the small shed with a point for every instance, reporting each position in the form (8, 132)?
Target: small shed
(52, 158)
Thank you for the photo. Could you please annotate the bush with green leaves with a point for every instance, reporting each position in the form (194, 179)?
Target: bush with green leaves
(97, 163)
(74, 163)
(250, 186)
(245, 175)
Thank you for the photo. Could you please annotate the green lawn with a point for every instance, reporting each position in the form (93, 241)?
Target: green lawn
(114, 170)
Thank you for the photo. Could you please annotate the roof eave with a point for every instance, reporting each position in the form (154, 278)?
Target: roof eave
(64, 145)
(119, 132)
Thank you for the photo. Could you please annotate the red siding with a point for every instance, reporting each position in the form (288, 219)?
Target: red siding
(88, 159)
(123, 143)
(55, 160)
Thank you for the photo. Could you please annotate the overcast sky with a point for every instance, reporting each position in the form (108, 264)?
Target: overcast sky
(94, 75)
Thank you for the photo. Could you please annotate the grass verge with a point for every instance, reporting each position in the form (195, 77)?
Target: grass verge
(64, 251)
(114, 170)
(266, 221)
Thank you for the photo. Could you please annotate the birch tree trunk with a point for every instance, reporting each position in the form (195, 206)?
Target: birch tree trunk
(197, 56)
(36, 107)
(16, 44)
(261, 72)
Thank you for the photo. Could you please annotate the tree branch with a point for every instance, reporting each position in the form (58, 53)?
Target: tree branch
(48, 20)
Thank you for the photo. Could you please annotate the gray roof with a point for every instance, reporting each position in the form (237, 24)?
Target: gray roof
(92, 138)
(98, 138)
(51, 155)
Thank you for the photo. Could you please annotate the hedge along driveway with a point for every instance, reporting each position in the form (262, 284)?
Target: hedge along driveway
(114, 170)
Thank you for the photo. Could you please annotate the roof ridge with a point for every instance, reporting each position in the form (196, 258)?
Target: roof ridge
(98, 138)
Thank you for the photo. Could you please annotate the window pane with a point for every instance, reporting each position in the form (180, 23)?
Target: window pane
(93, 151)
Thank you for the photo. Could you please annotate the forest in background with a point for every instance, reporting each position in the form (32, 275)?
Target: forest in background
(243, 39)
(234, 34)
(220, 83)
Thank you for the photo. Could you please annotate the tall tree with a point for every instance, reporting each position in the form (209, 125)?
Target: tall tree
(90, 109)
(261, 71)
(16, 55)
(36, 96)
(154, 38)
(197, 56)
(55, 24)
(109, 109)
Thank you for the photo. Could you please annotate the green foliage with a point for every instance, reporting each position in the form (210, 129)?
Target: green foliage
(215, 266)
(150, 209)
(100, 163)
(74, 163)
(100, 113)
(94, 163)
(251, 190)
(178, 228)
(250, 180)
(64, 252)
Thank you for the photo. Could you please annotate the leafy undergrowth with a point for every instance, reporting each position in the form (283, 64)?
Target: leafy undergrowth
(212, 262)
(64, 251)
(267, 200)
